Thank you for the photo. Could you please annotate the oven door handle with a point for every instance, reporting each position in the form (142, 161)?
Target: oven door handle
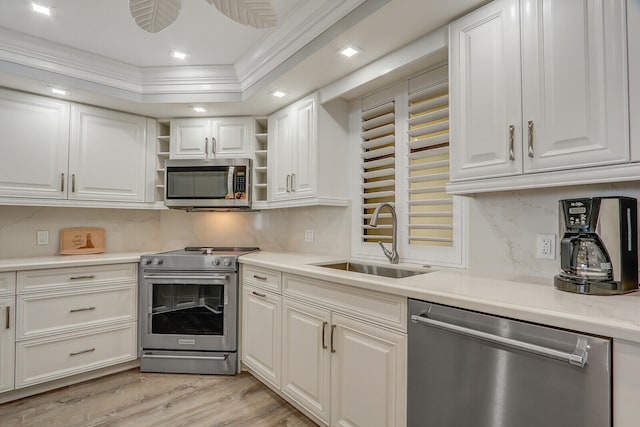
(168, 356)
(182, 277)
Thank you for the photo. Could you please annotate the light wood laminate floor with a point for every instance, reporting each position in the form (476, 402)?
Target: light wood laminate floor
(133, 398)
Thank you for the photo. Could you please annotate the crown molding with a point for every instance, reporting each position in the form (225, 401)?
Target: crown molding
(54, 63)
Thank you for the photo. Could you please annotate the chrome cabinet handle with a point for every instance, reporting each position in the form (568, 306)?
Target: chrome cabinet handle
(333, 329)
(324, 325)
(512, 129)
(259, 277)
(7, 323)
(288, 183)
(258, 294)
(62, 182)
(213, 145)
(530, 144)
(293, 182)
(76, 310)
(90, 276)
(206, 145)
(577, 358)
(89, 350)
(73, 182)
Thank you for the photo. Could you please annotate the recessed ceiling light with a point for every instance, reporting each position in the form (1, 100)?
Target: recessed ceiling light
(278, 93)
(41, 9)
(178, 55)
(199, 109)
(349, 51)
(57, 91)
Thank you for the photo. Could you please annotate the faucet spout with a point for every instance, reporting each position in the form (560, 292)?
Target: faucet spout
(392, 254)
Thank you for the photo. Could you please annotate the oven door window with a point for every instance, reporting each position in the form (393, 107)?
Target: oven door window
(183, 309)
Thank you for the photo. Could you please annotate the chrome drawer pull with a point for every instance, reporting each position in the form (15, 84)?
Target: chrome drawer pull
(90, 276)
(259, 294)
(8, 318)
(82, 352)
(259, 277)
(75, 310)
(577, 358)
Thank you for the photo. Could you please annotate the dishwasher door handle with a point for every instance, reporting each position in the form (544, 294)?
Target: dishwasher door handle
(577, 358)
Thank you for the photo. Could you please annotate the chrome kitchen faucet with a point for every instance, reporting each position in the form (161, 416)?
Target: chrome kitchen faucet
(393, 253)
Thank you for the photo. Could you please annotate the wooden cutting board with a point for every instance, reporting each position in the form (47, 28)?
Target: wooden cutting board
(75, 241)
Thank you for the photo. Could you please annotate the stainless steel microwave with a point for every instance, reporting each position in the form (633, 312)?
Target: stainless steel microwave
(208, 184)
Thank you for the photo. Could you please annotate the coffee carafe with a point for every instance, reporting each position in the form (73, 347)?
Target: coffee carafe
(599, 248)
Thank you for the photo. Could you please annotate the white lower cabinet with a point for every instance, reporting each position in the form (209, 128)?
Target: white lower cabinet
(7, 330)
(368, 374)
(73, 320)
(342, 350)
(261, 314)
(306, 354)
(7, 343)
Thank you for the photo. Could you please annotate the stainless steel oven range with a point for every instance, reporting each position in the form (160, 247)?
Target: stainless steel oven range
(189, 310)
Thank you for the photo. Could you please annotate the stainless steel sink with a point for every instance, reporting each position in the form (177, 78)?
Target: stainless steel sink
(376, 270)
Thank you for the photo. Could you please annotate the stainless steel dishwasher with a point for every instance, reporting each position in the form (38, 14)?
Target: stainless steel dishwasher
(473, 369)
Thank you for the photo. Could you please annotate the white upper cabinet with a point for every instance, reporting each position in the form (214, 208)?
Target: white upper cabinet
(35, 134)
(486, 105)
(107, 155)
(307, 158)
(574, 84)
(210, 138)
(633, 28)
(566, 109)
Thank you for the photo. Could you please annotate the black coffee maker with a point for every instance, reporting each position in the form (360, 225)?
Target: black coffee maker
(599, 246)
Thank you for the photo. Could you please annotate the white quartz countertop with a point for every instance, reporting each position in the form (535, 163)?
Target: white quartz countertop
(36, 263)
(614, 316)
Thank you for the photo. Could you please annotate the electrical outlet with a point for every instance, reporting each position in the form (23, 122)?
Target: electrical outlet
(546, 246)
(308, 236)
(42, 237)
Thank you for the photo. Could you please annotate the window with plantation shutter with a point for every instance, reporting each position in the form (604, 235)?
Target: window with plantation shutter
(430, 208)
(404, 160)
(378, 169)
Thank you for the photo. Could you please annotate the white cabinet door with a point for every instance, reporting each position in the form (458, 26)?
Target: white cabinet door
(261, 333)
(368, 375)
(107, 155)
(574, 84)
(306, 373)
(231, 137)
(486, 105)
(304, 150)
(190, 139)
(7, 343)
(279, 158)
(633, 39)
(34, 159)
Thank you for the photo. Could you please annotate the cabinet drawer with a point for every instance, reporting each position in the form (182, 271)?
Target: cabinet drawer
(41, 360)
(384, 309)
(262, 277)
(7, 283)
(72, 277)
(42, 314)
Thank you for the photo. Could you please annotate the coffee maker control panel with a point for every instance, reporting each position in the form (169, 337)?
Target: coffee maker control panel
(578, 214)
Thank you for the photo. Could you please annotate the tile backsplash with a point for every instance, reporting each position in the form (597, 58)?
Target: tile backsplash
(502, 229)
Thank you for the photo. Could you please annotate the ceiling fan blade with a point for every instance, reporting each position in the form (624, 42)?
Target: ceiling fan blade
(254, 13)
(154, 15)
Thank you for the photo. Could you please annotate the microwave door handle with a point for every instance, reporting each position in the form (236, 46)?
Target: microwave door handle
(230, 182)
